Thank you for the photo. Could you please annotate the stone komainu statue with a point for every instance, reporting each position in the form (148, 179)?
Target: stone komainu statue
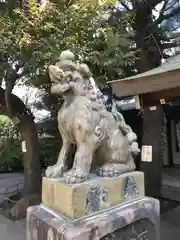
(100, 136)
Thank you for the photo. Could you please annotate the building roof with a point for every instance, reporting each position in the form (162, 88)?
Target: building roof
(171, 64)
(166, 76)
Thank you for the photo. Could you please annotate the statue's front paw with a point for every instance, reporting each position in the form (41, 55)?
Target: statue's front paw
(74, 176)
(55, 171)
(108, 170)
(49, 171)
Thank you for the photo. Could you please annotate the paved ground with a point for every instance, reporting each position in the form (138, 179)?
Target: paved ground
(170, 224)
(9, 184)
(12, 230)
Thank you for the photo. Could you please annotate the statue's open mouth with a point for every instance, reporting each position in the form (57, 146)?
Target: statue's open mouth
(53, 83)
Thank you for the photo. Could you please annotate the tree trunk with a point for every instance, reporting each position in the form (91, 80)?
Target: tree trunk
(24, 121)
(32, 174)
(149, 55)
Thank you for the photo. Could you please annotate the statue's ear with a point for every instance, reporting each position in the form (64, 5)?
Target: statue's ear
(84, 70)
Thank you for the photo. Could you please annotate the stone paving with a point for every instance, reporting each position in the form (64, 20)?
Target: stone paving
(170, 224)
(12, 230)
(9, 183)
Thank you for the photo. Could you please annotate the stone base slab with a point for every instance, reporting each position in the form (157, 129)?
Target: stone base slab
(79, 200)
(137, 220)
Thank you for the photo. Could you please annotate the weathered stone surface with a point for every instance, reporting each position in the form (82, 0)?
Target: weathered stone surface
(137, 220)
(100, 136)
(78, 200)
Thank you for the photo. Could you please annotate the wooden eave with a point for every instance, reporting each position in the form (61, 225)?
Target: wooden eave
(166, 76)
(148, 84)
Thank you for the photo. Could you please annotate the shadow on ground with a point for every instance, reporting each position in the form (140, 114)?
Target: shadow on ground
(170, 220)
(12, 230)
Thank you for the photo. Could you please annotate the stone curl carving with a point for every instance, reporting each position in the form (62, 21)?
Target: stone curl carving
(100, 136)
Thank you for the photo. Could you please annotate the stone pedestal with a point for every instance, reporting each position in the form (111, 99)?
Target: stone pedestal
(79, 200)
(100, 208)
(135, 220)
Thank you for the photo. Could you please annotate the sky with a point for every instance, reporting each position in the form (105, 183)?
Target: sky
(30, 95)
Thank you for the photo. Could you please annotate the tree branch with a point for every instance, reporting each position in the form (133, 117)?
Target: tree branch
(173, 13)
(18, 107)
(175, 28)
(176, 41)
(170, 6)
(166, 56)
(174, 35)
(152, 3)
(132, 2)
(10, 78)
(125, 6)
(164, 6)
(168, 45)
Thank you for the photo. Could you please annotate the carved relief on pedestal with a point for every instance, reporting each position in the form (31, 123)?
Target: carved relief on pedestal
(130, 189)
(96, 199)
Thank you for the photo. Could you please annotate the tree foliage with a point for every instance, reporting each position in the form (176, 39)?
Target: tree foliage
(100, 33)
(38, 36)
(153, 22)
(10, 153)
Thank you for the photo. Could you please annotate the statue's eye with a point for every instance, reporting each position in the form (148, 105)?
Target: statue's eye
(76, 79)
(69, 78)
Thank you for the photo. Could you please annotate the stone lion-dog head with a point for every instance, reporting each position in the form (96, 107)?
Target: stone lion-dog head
(68, 77)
